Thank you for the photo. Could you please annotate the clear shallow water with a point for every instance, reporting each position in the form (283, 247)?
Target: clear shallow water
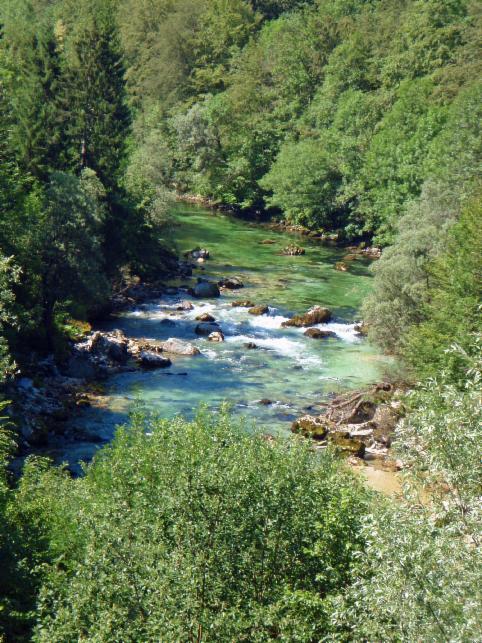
(293, 371)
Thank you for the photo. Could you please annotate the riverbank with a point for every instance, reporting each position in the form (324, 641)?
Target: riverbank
(360, 248)
(262, 358)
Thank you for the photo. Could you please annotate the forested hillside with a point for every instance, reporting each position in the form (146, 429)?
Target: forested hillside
(358, 118)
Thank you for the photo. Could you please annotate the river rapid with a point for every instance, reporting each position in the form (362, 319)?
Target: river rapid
(294, 372)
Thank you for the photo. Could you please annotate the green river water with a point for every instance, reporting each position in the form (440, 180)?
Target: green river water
(295, 372)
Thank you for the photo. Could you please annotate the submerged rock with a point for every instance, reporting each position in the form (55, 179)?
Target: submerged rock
(168, 323)
(151, 360)
(317, 333)
(250, 345)
(206, 289)
(242, 303)
(293, 250)
(206, 328)
(341, 266)
(259, 310)
(232, 283)
(267, 242)
(316, 315)
(178, 347)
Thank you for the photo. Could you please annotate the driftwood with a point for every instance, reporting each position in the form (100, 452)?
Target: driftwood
(354, 404)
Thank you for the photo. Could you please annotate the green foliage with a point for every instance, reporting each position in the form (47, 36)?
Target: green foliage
(186, 530)
(392, 171)
(332, 113)
(33, 60)
(422, 569)
(274, 8)
(452, 310)
(69, 249)
(93, 104)
(304, 182)
(401, 282)
(9, 275)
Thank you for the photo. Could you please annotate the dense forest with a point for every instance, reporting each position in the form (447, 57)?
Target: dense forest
(356, 118)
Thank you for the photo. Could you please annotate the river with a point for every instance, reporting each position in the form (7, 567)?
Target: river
(296, 373)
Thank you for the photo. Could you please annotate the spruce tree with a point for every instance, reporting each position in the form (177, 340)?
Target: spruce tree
(94, 111)
(35, 133)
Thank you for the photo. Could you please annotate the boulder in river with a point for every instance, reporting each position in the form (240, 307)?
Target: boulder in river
(152, 360)
(206, 289)
(316, 315)
(178, 347)
(259, 310)
(197, 253)
(216, 337)
(231, 283)
(205, 317)
(206, 328)
(97, 355)
(318, 333)
(251, 345)
(185, 305)
(242, 303)
(167, 323)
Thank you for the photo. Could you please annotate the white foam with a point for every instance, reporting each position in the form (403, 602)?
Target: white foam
(269, 322)
(284, 346)
(344, 331)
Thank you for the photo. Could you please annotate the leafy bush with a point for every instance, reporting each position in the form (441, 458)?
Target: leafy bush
(452, 309)
(183, 531)
(422, 571)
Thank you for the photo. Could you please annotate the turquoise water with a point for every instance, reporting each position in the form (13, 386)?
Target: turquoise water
(294, 372)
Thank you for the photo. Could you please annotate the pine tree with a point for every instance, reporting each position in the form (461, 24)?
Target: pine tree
(35, 133)
(94, 111)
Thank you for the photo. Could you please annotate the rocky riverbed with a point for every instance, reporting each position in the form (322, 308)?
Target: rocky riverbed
(274, 334)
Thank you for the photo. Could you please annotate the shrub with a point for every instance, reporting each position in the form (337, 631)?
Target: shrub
(183, 531)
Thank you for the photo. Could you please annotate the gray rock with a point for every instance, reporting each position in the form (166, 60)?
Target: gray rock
(206, 289)
(151, 360)
(178, 347)
(232, 283)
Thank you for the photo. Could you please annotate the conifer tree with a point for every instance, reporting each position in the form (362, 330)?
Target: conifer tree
(94, 110)
(34, 132)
